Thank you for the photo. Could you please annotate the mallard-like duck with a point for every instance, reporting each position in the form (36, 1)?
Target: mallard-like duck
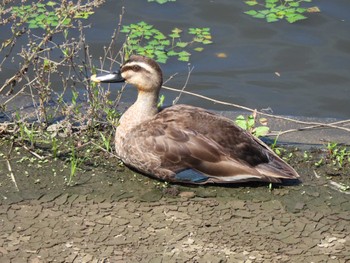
(183, 143)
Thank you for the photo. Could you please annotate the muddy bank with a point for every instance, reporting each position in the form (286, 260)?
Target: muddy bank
(78, 228)
(112, 214)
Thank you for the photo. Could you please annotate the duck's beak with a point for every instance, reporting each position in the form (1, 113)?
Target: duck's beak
(108, 78)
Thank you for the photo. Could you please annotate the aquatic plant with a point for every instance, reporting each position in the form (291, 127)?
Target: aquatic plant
(275, 10)
(145, 39)
(50, 14)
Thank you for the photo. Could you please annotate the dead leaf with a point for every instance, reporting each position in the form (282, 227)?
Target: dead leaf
(221, 55)
(313, 9)
(263, 121)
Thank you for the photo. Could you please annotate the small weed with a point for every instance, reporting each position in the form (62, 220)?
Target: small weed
(307, 156)
(278, 150)
(249, 124)
(30, 134)
(344, 187)
(162, 185)
(76, 106)
(112, 115)
(288, 156)
(161, 101)
(54, 146)
(27, 134)
(75, 161)
(270, 187)
(338, 155)
(20, 125)
(319, 162)
(106, 142)
(21, 130)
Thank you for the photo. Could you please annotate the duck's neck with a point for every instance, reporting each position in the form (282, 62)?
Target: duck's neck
(142, 110)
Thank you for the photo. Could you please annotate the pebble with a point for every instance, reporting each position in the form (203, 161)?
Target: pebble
(106, 220)
(299, 206)
(187, 195)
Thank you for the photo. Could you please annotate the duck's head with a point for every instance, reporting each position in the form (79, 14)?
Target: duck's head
(140, 71)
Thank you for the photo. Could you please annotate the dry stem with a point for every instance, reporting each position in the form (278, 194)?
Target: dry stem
(312, 125)
(10, 168)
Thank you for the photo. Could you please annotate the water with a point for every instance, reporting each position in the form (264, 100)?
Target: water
(311, 57)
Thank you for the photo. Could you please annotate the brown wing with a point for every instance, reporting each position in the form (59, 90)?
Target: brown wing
(184, 143)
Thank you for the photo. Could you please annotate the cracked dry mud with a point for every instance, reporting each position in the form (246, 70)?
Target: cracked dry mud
(114, 215)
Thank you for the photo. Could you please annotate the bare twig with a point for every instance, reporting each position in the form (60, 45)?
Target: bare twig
(11, 173)
(10, 168)
(170, 78)
(339, 187)
(20, 91)
(33, 153)
(190, 69)
(103, 149)
(314, 124)
(317, 126)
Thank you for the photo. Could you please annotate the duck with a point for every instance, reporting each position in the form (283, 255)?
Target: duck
(183, 143)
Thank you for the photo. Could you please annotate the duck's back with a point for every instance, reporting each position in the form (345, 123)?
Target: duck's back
(189, 144)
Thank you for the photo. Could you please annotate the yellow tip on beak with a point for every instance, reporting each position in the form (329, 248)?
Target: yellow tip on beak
(95, 79)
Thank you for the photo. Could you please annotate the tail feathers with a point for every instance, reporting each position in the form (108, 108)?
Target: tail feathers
(277, 168)
(234, 172)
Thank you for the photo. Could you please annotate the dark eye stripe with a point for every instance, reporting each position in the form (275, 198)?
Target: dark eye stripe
(135, 68)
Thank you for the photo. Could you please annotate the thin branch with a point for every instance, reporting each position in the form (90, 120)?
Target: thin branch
(170, 78)
(314, 127)
(11, 174)
(10, 168)
(315, 124)
(33, 153)
(103, 149)
(190, 69)
(20, 91)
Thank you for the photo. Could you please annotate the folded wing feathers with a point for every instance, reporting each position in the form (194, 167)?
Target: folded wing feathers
(225, 154)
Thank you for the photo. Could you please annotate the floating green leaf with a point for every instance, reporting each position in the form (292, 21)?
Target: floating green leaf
(146, 40)
(199, 49)
(251, 3)
(40, 15)
(276, 10)
(251, 12)
(181, 44)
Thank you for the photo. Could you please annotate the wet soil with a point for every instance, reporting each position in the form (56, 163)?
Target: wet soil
(112, 214)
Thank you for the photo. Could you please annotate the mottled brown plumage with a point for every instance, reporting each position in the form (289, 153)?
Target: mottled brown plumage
(184, 143)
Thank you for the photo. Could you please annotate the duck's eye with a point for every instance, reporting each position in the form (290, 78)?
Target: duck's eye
(136, 68)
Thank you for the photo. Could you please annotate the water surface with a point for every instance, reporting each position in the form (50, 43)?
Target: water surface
(297, 69)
